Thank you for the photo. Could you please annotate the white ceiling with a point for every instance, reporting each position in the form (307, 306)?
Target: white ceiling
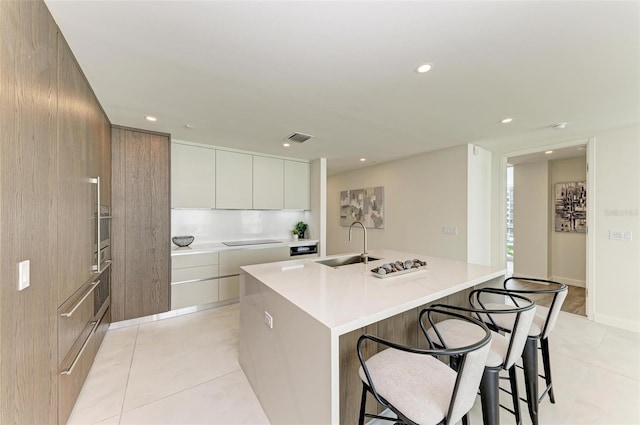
(248, 74)
(555, 154)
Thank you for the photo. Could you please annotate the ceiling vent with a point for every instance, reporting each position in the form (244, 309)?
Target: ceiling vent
(299, 137)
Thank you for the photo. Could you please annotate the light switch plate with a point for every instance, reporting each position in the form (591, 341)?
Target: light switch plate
(24, 272)
(268, 320)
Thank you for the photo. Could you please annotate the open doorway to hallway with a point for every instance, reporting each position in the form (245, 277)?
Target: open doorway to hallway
(546, 220)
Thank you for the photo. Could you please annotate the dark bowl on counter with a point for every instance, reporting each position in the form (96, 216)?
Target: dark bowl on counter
(182, 241)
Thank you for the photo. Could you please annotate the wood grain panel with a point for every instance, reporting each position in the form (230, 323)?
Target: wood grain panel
(76, 194)
(350, 383)
(118, 212)
(141, 223)
(28, 157)
(70, 385)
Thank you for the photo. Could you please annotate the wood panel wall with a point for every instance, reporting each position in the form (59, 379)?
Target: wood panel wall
(141, 223)
(28, 205)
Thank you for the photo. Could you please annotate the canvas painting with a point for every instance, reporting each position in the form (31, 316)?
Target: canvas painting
(571, 207)
(363, 205)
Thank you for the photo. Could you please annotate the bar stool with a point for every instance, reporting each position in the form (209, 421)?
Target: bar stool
(505, 350)
(543, 324)
(415, 385)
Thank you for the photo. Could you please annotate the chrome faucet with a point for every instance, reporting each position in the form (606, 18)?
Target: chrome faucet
(365, 254)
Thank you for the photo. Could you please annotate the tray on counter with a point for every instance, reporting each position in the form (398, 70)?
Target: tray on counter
(399, 272)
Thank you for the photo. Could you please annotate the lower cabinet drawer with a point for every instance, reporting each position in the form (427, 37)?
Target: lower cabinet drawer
(76, 365)
(194, 293)
(194, 273)
(229, 288)
(74, 317)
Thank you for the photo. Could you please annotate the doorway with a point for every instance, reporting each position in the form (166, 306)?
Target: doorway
(546, 219)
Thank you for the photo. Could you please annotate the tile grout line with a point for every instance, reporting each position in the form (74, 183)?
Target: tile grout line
(126, 386)
(182, 390)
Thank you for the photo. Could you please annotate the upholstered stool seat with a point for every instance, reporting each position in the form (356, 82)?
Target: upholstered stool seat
(420, 386)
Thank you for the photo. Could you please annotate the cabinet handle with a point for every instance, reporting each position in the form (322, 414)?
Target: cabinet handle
(96, 181)
(69, 370)
(75, 307)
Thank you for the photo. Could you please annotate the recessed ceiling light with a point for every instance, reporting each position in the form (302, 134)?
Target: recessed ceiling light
(548, 152)
(506, 120)
(286, 145)
(363, 159)
(424, 68)
(188, 126)
(559, 126)
(150, 118)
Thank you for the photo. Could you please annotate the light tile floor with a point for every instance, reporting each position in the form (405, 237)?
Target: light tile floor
(185, 370)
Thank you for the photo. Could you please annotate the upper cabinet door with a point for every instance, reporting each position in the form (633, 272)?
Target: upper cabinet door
(297, 185)
(234, 180)
(268, 180)
(193, 176)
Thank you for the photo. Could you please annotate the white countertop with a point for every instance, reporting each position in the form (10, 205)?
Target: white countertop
(219, 246)
(350, 297)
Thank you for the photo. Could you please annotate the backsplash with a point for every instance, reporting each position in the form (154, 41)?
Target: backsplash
(227, 225)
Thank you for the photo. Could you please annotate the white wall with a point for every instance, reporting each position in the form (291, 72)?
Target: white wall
(318, 216)
(530, 219)
(567, 251)
(422, 194)
(617, 204)
(479, 205)
(615, 199)
(227, 225)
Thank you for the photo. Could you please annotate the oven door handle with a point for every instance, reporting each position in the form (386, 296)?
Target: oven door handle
(96, 181)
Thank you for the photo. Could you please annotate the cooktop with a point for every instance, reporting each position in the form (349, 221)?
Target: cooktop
(250, 242)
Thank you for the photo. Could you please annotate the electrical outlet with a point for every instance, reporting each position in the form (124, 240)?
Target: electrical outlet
(450, 230)
(619, 235)
(268, 320)
(24, 275)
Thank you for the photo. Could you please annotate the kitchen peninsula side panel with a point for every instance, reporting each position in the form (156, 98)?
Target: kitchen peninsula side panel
(141, 223)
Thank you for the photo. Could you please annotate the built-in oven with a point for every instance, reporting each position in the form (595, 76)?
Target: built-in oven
(307, 249)
(102, 232)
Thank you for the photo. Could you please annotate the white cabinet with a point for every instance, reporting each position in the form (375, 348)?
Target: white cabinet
(268, 180)
(193, 176)
(234, 180)
(231, 261)
(297, 185)
(194, 280)
(203, 177)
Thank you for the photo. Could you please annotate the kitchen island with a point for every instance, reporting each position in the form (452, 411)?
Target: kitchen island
(300, 320)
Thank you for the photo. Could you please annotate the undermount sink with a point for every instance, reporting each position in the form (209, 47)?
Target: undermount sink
(345, 261)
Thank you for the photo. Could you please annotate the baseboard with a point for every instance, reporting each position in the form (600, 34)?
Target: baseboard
(170, 314)
(616, 322)
(569, 281)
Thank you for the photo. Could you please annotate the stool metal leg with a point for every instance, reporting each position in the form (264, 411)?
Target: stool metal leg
(363, 403)
(530, 367)
(544, 342)
(489, 396)
(514, 394)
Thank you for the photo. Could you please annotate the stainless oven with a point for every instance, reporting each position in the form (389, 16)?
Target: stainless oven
(102, 232)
